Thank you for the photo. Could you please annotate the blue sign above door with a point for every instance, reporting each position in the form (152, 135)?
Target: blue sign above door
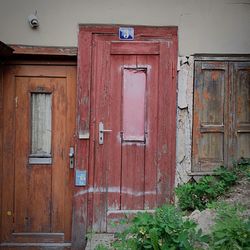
(126, 33)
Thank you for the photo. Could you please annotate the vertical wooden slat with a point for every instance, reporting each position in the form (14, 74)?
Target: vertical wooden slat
(132, 179)
(32, 212)
(152, 62)
(240, 81)
(23, 173)
(60, 152)
(101, 107)
(8, 149)
(114, 122)
(82, 148)
(166, 124)
(70, 142)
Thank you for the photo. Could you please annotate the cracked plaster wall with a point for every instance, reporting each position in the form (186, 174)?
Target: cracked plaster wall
(184, 119)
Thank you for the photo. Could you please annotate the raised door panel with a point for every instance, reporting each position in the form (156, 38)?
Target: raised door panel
(210, 127)
(241, 109)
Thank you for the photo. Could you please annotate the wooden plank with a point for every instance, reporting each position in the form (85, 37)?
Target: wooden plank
(132, 176)
(70, 142)
(34, 246)
(42, 61)
(40, 50)
(100, 84)
(38, 237)
(166, 124)
(8, 149)
(240, 80)
(114, 155)
(140, 31)
(132, 48)
(32, 184)
(222, 57)
(152, 64)
(79, 223)
(60, 152)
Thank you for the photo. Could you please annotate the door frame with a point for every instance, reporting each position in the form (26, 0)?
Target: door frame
(84, 72)
(33, 55)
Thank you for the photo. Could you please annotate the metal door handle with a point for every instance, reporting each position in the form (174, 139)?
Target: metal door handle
(101, 132)
(71, 157)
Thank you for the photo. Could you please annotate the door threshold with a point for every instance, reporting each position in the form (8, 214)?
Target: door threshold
(11, 244)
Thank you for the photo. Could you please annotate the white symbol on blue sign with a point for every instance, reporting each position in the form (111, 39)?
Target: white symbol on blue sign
(81, 178)
(126, 33)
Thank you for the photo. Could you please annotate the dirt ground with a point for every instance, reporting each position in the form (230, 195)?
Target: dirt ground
(238, 194)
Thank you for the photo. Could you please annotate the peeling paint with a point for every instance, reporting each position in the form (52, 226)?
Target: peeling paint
(184, 120)
(124, 190)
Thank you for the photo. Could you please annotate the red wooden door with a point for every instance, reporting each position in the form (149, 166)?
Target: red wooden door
(133, 93)
(39, 102)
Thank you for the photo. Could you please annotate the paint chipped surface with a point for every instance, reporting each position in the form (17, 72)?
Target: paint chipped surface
(124, 190)
(184, 122)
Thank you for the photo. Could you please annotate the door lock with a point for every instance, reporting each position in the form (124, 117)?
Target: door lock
(101, 132)
(71, 157)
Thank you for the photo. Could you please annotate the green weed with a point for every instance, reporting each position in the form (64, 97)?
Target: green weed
(197, 195)
(230, 231)
(165, 229)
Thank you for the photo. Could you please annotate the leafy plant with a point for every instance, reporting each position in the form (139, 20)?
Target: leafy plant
(197, 195)
(165, 229)
(101, 247)
(230, 231)
(242, 168)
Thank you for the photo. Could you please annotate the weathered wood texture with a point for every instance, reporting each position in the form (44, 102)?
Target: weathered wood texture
(221, 114)
(240, 80)
(37, 199)
(38, 50)
(124, 176)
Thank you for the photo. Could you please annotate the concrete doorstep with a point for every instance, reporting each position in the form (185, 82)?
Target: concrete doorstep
(99, 238)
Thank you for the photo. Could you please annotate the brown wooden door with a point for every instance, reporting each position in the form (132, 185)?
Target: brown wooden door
(211, 115)
(133, 100)
(221, 114)
(39, 124)
(240, 81)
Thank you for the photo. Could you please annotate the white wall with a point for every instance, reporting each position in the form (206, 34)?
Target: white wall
(205, 26)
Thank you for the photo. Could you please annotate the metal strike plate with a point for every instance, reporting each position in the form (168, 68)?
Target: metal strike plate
(81, 178)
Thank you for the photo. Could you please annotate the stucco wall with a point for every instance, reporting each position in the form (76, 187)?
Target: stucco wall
(184, 119)
(205, 26)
